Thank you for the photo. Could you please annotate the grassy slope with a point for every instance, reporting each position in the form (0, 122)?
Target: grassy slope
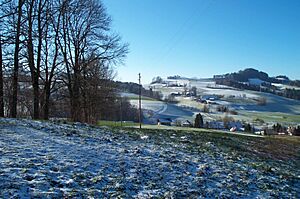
(272, 116)
(277, 148)
(115, 123)
(270, 147)
(201, 158)
(277, 155)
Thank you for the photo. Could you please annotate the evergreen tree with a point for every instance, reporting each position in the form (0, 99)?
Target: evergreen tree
(198, 121)
(248, 128)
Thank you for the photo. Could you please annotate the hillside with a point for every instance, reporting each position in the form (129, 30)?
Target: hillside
(243, 105)
(52, 160)
(252, 79)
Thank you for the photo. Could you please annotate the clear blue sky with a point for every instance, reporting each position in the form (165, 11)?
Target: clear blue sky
(197, 38)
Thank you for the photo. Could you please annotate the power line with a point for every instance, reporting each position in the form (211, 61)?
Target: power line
(181, 32)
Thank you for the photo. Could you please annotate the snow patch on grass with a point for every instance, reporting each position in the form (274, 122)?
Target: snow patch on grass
(41, 159)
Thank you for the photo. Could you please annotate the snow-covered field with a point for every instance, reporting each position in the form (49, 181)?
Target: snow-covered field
(47, 160)
(242, 101)
(283, 86)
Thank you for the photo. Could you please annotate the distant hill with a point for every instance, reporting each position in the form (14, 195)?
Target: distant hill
(250, 73)
(253, 79)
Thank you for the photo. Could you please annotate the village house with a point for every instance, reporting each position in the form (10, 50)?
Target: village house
(187, 123)
(209, 97)
(164, 121)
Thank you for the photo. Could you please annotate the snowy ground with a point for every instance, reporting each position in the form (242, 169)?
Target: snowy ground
(39, 159)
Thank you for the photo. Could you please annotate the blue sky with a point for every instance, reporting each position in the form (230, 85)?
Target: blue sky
(200, 38)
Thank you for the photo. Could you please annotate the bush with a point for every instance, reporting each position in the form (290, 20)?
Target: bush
(157, 79)
(261, 101)
(171, 99)
(258, 120)
(225, 109)
(297, 131)
(226, 121)
(233, 112)
(278, 127)
(177, 123)
(206, 109)
(222, 108)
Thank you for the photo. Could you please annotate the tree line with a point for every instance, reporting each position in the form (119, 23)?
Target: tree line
(57, 58)
(132, 87)
(236, 80)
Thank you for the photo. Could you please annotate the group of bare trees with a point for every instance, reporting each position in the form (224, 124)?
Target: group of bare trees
(65, 50)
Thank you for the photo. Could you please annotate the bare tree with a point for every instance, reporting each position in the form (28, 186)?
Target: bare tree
(85, 32)
(36, 17)
(51, 57)
(13, 112)
(98, 91)
(1, 72)
(7, 33)
(46, 42)
(1, 82)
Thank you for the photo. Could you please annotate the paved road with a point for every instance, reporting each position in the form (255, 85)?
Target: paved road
(154, 110)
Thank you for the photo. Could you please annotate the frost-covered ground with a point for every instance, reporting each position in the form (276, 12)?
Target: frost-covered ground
(40, 159)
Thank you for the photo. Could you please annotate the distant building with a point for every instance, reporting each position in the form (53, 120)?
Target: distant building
(174, 83)
(219, 76)
(283, 79)
(164, 121)
(237, 125)
(215, 125)
(187, 124)
(175, 93)
(255, 81)
(209, 97)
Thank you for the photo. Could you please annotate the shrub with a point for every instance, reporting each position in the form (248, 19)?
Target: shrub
(278, 127)
(233, 112)
(177, 123)
(261, 101)
(171, 99)
(226, 121)
(258, 120)
(206, 109)
(297, 131)
(222, 108)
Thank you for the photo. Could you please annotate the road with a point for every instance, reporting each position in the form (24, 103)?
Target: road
(154, 110)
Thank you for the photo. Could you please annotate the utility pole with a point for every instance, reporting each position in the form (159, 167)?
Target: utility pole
(121, 113)
(140, 101)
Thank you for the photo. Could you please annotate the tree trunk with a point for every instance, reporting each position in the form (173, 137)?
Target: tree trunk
(38, 61)
(13, 112)
(36, 100)
(34, 71)
(76, 98)
(49, 74)
(47, 100)
(1, 83)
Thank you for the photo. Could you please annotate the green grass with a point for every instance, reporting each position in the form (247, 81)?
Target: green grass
(116, 123)
(164, 127)
(143, 98)
(273, 117)
(268, 147)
